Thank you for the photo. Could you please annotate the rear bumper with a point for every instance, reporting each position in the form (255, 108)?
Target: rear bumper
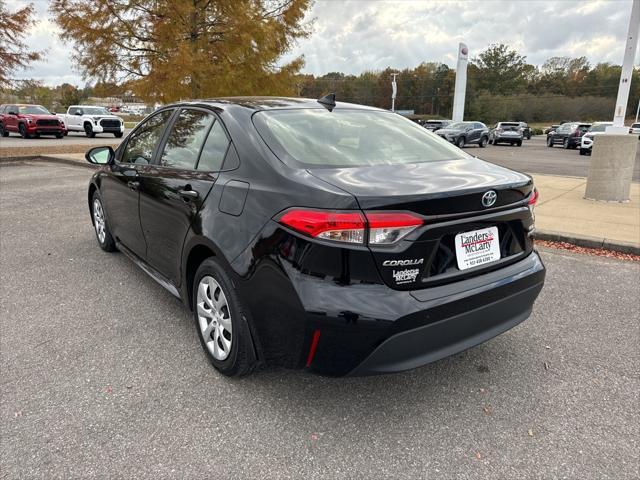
(437, 322)
(508, 138)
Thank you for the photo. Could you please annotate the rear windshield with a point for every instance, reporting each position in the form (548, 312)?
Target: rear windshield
(317, 138)
(601, 127)
(33, 110)
(509, 124)
(433, 122)
(635, 125)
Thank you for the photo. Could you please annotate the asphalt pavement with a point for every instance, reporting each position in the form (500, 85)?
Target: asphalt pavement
(535, 157)
(103, 375)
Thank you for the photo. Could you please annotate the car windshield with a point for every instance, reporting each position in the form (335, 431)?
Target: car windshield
(601, 127)
(459, 125)
(95, 111)
(33, 110)
(635, 125)
(348, 138)
(509, 124)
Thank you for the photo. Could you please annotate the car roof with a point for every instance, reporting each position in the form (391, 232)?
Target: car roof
(270, 103)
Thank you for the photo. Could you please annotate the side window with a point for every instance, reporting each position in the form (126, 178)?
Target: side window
(72, 111)
(142, 143)
(214, 149)
(186, 138)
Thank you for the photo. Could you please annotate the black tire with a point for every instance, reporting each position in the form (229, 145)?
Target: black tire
(550, 142)
(118, 134)
(3, 132)
(565, 144)
(88, 130)
(107, 243)
(583, 151)
(60, 135)
(519, 143)
(461, 142)
(483, 142)
(23, 131)
(241, 358)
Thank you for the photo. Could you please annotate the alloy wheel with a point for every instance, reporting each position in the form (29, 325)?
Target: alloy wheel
(98, 220)
(214, 317)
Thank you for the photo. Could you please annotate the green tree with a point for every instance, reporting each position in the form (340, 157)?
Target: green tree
(14, 52)
(501, 70)
(172, 49)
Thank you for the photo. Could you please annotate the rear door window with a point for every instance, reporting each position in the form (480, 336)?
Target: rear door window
(186, 139)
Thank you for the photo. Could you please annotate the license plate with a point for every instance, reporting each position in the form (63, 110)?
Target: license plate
(477, 247)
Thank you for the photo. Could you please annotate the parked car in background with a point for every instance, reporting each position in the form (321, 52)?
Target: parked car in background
(568, 134)
(506, 132)
(92, 120)
(586, 143)
(465, 133)
(29, 121)
(526, 130)
(335, 237)
(635, 128)
(550, 129)
(434, 125)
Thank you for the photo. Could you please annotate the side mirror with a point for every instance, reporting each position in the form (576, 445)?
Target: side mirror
(12, 112)
(78, 112)
(100, 155)
(468, 129)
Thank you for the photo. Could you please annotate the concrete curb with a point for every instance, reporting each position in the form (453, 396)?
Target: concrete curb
(589, 242)
(46, 158)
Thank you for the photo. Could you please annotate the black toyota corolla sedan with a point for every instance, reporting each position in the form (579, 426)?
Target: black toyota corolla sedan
(339, 238)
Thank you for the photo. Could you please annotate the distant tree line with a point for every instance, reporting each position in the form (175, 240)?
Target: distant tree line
(501, 85)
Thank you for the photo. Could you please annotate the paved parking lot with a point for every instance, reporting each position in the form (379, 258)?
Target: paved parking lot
(102, 376)
(535, 157)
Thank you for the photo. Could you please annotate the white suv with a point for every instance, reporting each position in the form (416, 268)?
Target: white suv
(586, 143)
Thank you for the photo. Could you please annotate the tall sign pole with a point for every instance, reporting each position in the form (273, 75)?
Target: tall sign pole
(461, 83)
(394, 91)
(627, 70)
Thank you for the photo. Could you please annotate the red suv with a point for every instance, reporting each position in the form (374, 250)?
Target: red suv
(29, 121)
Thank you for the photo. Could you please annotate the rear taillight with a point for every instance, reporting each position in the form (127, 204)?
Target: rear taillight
(534, 198)
(382, 228)
(346, 227)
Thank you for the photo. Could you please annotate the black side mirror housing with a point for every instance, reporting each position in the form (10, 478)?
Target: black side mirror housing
(100, 156)
(12, 112)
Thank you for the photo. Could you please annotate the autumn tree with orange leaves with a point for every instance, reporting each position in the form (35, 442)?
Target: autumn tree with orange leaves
(14, 52)
(177, 49)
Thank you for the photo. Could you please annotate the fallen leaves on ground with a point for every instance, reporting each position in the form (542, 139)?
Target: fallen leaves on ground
(600, 252)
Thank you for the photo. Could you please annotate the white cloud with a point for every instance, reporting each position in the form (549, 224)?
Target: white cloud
(355, 36)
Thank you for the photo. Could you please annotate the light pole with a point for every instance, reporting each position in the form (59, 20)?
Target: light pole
(394, 90)
(627, 70)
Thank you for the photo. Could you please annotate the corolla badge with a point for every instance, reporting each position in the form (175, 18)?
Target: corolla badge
(489, 198)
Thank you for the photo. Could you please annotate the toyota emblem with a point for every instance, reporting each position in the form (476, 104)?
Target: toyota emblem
(489, 198)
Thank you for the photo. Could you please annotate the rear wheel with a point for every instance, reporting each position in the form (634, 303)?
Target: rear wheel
(483, 142)
(565, 143)
(3, 132)
(460, 142)
(118, 134)
(105, 240)
(583, 151)
(221, 321)
(519, 143)
(60, 135)
(88, 130)
(549, 141)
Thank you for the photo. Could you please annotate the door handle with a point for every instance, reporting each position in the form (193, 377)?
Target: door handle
(133, 185)
(188, 195)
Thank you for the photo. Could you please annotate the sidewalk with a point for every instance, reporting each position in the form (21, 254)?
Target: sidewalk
(562, 214)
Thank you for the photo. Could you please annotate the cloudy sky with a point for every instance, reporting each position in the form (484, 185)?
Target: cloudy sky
(354, 36)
